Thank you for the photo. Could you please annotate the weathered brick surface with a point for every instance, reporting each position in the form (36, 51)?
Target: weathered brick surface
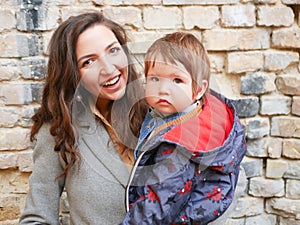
(275, 105)
(9, 116)
(288, 221)
(238, 16)
(33, 68)
(253, 166)
(279, 60)
(7, 19)
(9, 69)
(293, 171)
(257, 147)
(13, 182)
(9, 205)
(26, 114)
(275, 148)
(16, 93)
(292, 189)
(236, 39)
(276, 168)
(283, 206)
(247, 107)
(257, 128)
(141, 2)
(252, 61)
(262, 1)
(266, 16)
(37, 16)
(19, 45)
(258, 83)
(253, 47)
(19, 142)
(296, 105)
(291, 2)
(199, 2)
(286, 38)
(261, 219)
(248, 206)
(152, 18)
(291, 149)
(289, 84)
(257, 187)
(140, 41)
(207, 17)
(130, 16)
(286, 127)
(217, 63)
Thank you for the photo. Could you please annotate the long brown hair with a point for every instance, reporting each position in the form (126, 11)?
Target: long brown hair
(63, 79)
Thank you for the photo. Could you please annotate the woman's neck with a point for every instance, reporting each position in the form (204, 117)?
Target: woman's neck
(104, 107)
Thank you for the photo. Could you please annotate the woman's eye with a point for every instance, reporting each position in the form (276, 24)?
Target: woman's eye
(114, 50)
(177, 81)
(87, 63)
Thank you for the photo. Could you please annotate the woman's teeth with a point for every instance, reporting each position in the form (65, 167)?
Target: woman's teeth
(111, 82)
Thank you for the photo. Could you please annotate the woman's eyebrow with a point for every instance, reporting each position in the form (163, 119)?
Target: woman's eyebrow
(110, 45)
(89, 55)
(83, 57)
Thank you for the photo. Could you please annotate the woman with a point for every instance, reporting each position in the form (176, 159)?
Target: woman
(87, 124)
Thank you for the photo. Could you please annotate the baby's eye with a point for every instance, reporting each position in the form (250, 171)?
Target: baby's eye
(155, 79)
(177, 81)
(152, 78)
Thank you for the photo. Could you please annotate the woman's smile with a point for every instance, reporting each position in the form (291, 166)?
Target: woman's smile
(111, 82)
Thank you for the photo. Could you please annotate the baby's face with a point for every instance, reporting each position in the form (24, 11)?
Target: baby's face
(169, 87)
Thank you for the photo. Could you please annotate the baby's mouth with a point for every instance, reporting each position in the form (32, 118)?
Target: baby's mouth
(111, 82)
(163, 101)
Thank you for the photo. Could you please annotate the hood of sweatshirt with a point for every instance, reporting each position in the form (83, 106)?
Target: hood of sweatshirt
(215, 138)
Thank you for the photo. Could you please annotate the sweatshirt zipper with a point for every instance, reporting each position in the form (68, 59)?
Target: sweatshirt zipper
(131, 178)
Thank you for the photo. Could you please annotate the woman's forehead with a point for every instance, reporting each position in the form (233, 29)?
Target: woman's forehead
(96, 39)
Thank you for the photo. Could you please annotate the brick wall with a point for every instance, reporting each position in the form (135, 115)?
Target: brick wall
(254, 50)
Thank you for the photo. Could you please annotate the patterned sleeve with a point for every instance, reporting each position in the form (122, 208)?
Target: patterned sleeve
(162, 188)
(172, 189)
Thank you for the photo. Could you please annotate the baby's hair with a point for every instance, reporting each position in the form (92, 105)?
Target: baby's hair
(184, 48)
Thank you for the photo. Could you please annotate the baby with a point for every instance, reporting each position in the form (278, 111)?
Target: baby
(191, 142)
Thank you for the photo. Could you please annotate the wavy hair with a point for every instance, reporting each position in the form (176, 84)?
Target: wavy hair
(63, 79)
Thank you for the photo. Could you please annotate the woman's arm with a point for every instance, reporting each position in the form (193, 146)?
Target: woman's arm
(43, 198)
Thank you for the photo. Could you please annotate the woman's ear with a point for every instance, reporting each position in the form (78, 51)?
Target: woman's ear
(198, 95)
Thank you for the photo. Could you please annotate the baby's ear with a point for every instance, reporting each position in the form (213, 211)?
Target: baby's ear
(201, 90)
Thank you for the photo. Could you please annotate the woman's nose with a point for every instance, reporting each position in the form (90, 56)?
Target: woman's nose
(106, 66)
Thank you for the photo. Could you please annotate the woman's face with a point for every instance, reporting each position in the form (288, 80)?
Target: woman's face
(102, 63)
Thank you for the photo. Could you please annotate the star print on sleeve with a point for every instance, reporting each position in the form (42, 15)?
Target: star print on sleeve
(216, 194)
(152, 196)
(201, 210)
(186, 188)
